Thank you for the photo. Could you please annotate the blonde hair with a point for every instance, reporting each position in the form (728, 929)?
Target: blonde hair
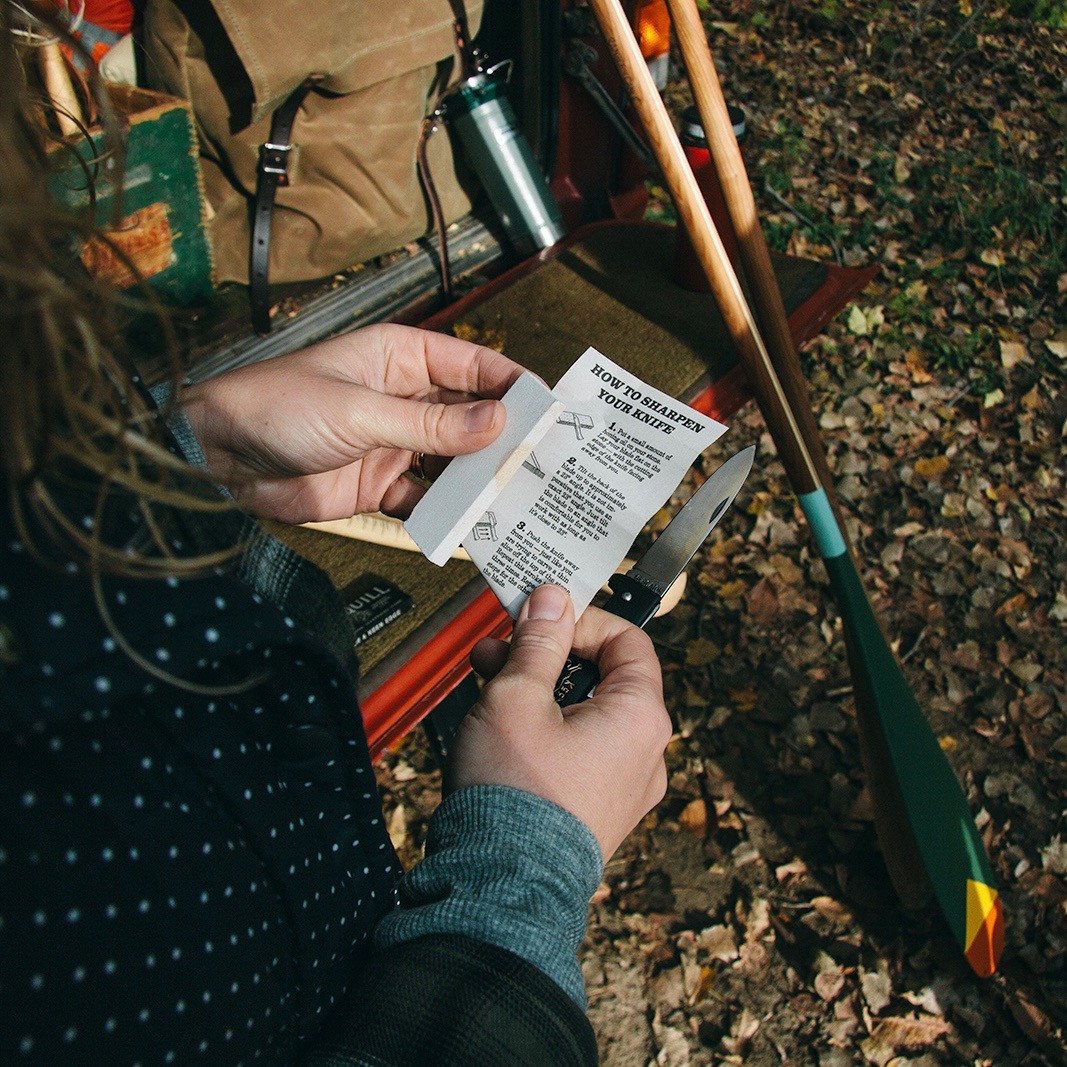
(69, 402)
(71, 410)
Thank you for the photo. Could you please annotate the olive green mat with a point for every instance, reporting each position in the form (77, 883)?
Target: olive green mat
(613, 290)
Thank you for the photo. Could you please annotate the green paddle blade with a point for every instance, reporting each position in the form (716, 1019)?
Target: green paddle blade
(941, 823)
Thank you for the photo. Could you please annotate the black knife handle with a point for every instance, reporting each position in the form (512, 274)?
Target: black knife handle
(579, 678)
(629, 600)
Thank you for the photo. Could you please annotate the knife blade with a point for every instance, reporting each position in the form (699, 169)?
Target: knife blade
(636, 595)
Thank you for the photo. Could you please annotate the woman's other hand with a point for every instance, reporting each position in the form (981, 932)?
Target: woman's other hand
(330, 431)
(601, 760)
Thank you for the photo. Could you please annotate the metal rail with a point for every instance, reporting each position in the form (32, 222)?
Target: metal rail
(373, 295)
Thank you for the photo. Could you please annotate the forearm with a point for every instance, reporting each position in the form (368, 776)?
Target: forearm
(505, 867)
(479, 962)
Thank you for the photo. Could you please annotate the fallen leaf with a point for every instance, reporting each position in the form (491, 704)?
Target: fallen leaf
(754, 958)
(1013, 605)
(915, 361)
(862, 809)
(1012, 353)
(697, 984)
(1026, 670)
(694, 816)
(877, 990)
(786, 569)
(404, 772)
(732, 590)
(909, 1033)
(829, 983)
(658, 523)
(758, 921)
(865, 322)
(600, 894)
(762, 602)
(793, 868)
(672, 1043)
(932, 467)
(744, 699)
(908, 529)
(1032, 1020)
(719, 943)
(832, 910)
(1054, 856)
(744, 1029)
(700, 652)
(397, 826)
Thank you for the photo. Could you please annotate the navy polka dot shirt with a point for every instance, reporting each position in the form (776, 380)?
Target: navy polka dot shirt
(185, 876)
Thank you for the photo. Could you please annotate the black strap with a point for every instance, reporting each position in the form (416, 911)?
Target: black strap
(469, 56)
(470, 61)
(272, 172)
(430, 125)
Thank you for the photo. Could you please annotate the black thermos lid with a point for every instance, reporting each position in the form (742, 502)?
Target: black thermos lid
(693, 129)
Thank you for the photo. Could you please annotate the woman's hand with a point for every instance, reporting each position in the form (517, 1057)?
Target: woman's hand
(330, 431)
(602, 760)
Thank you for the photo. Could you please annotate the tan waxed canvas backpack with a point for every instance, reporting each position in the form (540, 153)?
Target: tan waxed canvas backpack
(353, 190)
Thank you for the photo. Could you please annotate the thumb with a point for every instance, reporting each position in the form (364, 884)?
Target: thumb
(434, 428)
(542, 640)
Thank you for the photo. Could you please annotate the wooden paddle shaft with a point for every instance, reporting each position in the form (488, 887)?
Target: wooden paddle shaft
(764, 292)
(901, 855)
(899, 850)
(59, 88)
(707, 244)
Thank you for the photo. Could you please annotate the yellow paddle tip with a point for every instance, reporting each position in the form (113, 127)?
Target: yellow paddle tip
(985, 928)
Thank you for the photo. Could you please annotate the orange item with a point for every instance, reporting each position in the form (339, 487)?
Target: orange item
(113, 15)
(653, 25)
(146, 239)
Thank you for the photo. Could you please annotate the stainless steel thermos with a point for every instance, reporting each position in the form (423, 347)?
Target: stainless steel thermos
(480, 115)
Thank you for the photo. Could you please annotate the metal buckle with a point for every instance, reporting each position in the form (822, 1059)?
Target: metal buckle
(274, 159)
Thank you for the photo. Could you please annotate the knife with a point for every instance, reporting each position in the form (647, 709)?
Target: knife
(636, 595)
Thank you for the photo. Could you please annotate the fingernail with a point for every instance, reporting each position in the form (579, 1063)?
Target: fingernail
(547, 602)
(480, 416)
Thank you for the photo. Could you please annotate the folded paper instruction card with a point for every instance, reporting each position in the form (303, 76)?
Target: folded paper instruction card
(565, 490)
(470, 484)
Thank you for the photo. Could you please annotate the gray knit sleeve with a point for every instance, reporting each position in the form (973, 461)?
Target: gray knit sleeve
(179, 427)
(508, 868)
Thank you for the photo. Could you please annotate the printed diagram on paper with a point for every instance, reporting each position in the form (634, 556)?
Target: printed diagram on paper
(596, 459)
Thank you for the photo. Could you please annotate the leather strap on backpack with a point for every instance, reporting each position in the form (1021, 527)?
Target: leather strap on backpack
(470, 59)
(271, 173)
(469, 56)
(430, 125)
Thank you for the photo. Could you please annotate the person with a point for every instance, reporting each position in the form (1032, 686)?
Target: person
(193, 862)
